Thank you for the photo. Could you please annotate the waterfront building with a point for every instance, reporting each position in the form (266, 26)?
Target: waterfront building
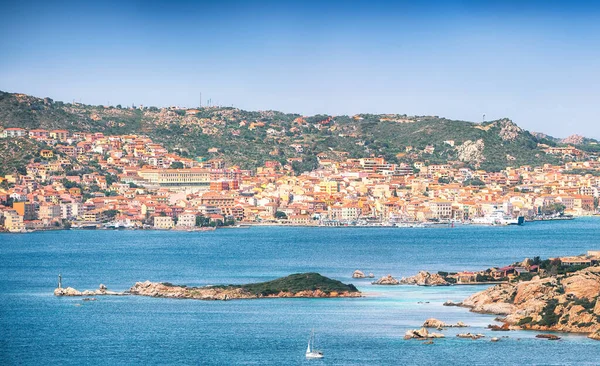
(186, 220)
(49, 211)
(13, 222)
(25, 209)
(163, 222)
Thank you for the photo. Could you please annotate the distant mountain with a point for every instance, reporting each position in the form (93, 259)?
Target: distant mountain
(249, 138)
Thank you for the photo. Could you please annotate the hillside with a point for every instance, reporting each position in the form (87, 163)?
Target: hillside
(296, 283)
(250, 138)
(16, 154)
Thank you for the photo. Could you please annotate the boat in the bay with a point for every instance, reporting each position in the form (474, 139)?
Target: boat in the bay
(311, 352)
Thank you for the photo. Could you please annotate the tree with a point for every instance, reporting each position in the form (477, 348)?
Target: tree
(474, 182)
(176, 165)
(280, 215)
(553, 209)
(110, 214)
(202, 221)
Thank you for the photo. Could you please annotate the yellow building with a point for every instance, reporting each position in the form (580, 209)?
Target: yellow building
(163, 222)
(176, 177)
(329, 187)
(13, 222)
(46, 154)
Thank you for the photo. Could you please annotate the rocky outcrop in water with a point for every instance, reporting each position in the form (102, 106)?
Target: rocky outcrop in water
(69, 291)
(358, 274)
(387, 280)
(435, 323)
(470, 335)
(552, 337)
(421, 334)
(565, 303)
(425, 278)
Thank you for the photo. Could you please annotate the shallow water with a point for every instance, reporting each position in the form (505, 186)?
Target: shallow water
(38, 328)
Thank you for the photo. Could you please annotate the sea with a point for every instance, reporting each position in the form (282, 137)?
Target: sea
(37, 328)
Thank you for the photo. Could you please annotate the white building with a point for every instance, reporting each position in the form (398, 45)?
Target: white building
(13, 132)
(186, 220)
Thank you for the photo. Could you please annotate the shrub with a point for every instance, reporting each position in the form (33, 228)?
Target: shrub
(587, 304)
(525, 276)
(525, 320)
(548, 317)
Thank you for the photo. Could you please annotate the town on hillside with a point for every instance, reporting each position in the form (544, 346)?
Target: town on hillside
(92, 180)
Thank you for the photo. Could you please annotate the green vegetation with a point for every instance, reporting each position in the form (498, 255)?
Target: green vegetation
(484, 278)
(295, 283)
(525, 276)
(587, 304)
(280, 215)
(582, 172)
(555, 208)
(585, 325)
(549, 318)
(525, 320)
(15, 154)
(110, 214)
(248, 138)
(474, 182)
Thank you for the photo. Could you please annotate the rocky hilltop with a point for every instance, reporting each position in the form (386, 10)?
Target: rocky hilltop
(566, 303)
(296, 285)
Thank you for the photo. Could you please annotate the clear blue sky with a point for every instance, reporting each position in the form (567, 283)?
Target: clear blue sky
(536, 62)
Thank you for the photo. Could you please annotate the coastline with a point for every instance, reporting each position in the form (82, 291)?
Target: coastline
(249, 225)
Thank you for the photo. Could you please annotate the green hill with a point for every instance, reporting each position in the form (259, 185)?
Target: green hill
(296, 283)
(250, 138)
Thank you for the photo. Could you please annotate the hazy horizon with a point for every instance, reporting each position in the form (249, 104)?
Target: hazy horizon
(535, 63)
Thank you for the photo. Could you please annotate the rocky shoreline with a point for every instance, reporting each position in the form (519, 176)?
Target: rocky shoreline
(563, 303)
(154, 289)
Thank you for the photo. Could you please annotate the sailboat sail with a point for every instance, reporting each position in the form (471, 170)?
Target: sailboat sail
(310, 349)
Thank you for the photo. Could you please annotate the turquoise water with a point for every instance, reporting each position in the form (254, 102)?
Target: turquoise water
(38, 328)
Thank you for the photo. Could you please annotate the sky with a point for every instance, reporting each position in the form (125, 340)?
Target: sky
(536, 62)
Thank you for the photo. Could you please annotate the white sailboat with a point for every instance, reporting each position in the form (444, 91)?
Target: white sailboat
(311, 352)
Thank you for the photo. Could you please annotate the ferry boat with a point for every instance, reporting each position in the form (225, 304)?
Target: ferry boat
(498, 217)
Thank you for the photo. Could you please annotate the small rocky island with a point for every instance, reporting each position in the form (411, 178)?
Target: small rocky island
(422, 278)
(300, 285)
